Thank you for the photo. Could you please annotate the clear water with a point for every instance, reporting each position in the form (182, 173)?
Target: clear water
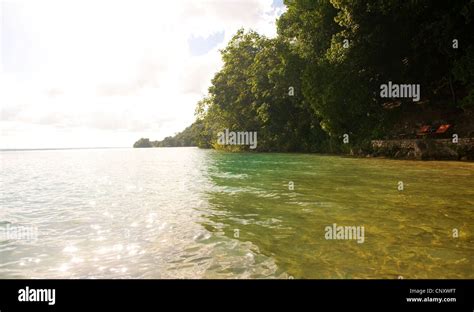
(191, 213)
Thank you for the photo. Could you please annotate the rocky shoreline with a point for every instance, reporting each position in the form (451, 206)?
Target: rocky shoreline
(424, 149)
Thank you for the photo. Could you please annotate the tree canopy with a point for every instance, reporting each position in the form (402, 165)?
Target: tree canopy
(319, 79)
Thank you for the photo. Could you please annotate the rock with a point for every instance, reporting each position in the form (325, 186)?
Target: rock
(445, 153)
(420, 148)
(430, 150)
(411, 155)
(423, 149)
(466, 152)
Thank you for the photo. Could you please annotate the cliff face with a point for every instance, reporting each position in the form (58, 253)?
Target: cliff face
(425, 149)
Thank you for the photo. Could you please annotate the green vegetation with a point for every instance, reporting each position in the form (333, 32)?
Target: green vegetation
(188, 137)
(335, 55)
(143, 142)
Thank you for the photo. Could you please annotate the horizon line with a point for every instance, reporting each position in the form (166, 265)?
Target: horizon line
(59, 148)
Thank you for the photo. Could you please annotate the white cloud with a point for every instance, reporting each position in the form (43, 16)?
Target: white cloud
(105, 73)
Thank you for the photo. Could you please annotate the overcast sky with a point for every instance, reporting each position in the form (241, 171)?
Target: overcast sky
(105, 73)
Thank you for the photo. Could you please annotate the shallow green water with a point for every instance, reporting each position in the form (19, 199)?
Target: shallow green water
(408, 233)
(190, 213)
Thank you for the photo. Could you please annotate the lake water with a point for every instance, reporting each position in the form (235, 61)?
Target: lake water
(191, 213)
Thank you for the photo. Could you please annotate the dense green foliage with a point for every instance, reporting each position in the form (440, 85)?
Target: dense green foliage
(143, 142)
(187, 137)
(336, 82)
(319, 80)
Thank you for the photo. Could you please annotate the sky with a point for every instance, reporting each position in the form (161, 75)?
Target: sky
(105, 73)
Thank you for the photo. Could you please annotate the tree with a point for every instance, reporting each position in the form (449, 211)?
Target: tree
(143, 142)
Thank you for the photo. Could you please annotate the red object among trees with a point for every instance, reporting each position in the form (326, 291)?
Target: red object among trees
(443, 128)
(424, 130)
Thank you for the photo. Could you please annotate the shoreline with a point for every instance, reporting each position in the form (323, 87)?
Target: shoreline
(461, 149)
(362, 155)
